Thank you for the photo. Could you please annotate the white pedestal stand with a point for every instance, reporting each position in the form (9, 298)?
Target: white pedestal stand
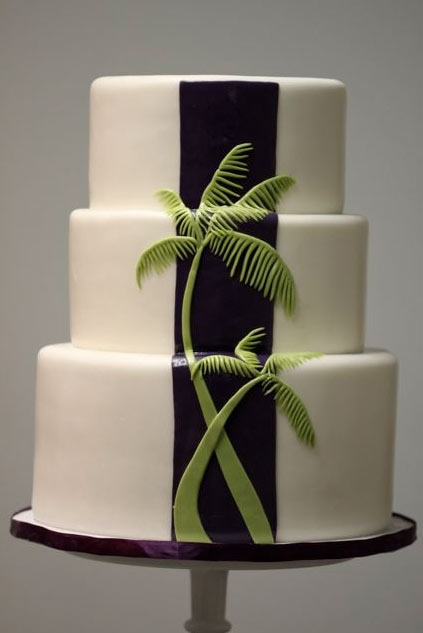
(208, 601)
(208, 584)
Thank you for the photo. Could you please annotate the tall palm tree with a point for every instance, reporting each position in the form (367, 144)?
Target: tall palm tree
(213, 225)
(246, 363)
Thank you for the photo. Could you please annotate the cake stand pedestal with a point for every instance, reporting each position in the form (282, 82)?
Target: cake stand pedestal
(209, 564)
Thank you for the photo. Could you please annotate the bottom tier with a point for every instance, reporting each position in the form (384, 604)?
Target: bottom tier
(106, 445)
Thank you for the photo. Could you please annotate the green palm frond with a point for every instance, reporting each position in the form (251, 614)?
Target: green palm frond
(245, 348)
(218, 363)
(223, 187)
(230, 217)
(258, 264)
(280, 362)
(290, 405)
(267, 194)
(227, 217)
(162, 254)
(203, 216)
(182, 217)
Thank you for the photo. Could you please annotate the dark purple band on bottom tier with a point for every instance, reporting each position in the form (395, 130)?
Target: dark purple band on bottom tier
(401, 534)
(252, 432)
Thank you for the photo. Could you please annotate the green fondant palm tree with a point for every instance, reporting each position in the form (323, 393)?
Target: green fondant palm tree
(246, 363)
(214, 225)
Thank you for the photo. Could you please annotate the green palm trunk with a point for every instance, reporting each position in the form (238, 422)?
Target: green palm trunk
(188, 524)
(187, 519)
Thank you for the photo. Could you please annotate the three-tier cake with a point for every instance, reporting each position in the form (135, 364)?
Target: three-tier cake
(216, 387)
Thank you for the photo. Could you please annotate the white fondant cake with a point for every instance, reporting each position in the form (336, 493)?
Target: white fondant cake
(153, 423)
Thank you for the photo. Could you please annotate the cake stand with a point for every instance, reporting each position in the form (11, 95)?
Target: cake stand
(209, 564)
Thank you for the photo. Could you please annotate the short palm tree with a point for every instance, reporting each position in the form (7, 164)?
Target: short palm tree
(245, 363)
(214, 225)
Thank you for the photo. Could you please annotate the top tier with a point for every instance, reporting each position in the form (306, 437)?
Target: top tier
(170, 132)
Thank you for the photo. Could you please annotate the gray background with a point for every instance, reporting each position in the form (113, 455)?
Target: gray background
(50, 52)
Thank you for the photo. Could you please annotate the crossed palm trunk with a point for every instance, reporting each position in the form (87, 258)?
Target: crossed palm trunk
(258, 265)
(186, 515)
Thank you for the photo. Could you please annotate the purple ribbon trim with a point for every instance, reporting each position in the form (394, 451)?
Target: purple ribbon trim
(391, 541)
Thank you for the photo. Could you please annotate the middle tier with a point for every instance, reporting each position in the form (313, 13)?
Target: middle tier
(325, 253)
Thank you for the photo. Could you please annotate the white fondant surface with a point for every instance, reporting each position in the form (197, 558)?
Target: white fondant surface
(135, 142)
(343, 486)
(104, 442)
(326, 254)
(104, 445)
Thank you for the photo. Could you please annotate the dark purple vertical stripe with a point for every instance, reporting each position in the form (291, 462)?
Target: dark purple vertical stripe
(216, 116)
(223, 309)
(252, 431)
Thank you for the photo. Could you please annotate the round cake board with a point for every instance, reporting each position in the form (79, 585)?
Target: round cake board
(400, 533)
(209, 563)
